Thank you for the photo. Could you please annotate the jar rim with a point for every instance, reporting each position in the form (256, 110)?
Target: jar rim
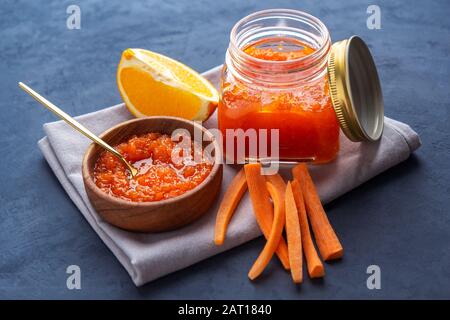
(317, 54)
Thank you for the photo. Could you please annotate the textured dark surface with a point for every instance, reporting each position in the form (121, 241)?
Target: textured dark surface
(399, 220)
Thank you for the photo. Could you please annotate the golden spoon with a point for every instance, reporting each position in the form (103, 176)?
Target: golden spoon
(78, 126)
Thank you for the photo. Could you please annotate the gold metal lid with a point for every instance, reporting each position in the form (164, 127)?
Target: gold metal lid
(355, 90)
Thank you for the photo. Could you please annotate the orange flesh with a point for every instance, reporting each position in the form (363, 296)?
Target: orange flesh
(304, 115)
(171, 98)
(159, 176)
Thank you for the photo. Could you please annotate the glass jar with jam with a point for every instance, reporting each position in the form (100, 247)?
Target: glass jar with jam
(282, 72)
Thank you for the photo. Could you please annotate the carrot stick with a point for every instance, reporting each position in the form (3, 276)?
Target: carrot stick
(315, 266)
(231, 199)
(274, 237)
(329, 246)
(294, 237)
(262, 207)
(278, 182)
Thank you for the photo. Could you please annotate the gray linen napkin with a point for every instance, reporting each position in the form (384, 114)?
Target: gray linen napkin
(150, 256)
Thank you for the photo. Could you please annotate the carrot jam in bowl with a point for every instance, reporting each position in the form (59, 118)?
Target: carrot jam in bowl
(159, 177)
(179, 174)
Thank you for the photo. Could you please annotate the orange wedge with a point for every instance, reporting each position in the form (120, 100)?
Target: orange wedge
(152, 84)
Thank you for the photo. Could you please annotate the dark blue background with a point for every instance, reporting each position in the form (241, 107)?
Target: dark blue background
(399, 220)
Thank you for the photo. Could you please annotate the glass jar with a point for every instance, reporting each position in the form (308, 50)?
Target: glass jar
(275, 77)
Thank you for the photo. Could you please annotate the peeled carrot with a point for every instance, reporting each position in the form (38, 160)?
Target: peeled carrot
(329, 246)
(274, 237)
(294, 238)
(231, 199)
(278, 182)
(263, 208)
(315, 266)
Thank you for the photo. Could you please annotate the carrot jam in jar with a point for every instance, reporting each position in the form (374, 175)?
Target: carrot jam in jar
(159, 176)
(279, 81)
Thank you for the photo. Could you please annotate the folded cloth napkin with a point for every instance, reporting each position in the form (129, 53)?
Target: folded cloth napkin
(150, 256)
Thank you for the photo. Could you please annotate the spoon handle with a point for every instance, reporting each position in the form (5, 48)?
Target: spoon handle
(76, 125)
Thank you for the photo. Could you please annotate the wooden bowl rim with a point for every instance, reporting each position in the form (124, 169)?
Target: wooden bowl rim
(148, 204)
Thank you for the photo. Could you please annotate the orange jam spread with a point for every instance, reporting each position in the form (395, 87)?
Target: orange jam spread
(304, 115)
(279, 54)
(159, 176)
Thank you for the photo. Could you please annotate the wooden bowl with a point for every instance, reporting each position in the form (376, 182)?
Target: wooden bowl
(155, 216)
